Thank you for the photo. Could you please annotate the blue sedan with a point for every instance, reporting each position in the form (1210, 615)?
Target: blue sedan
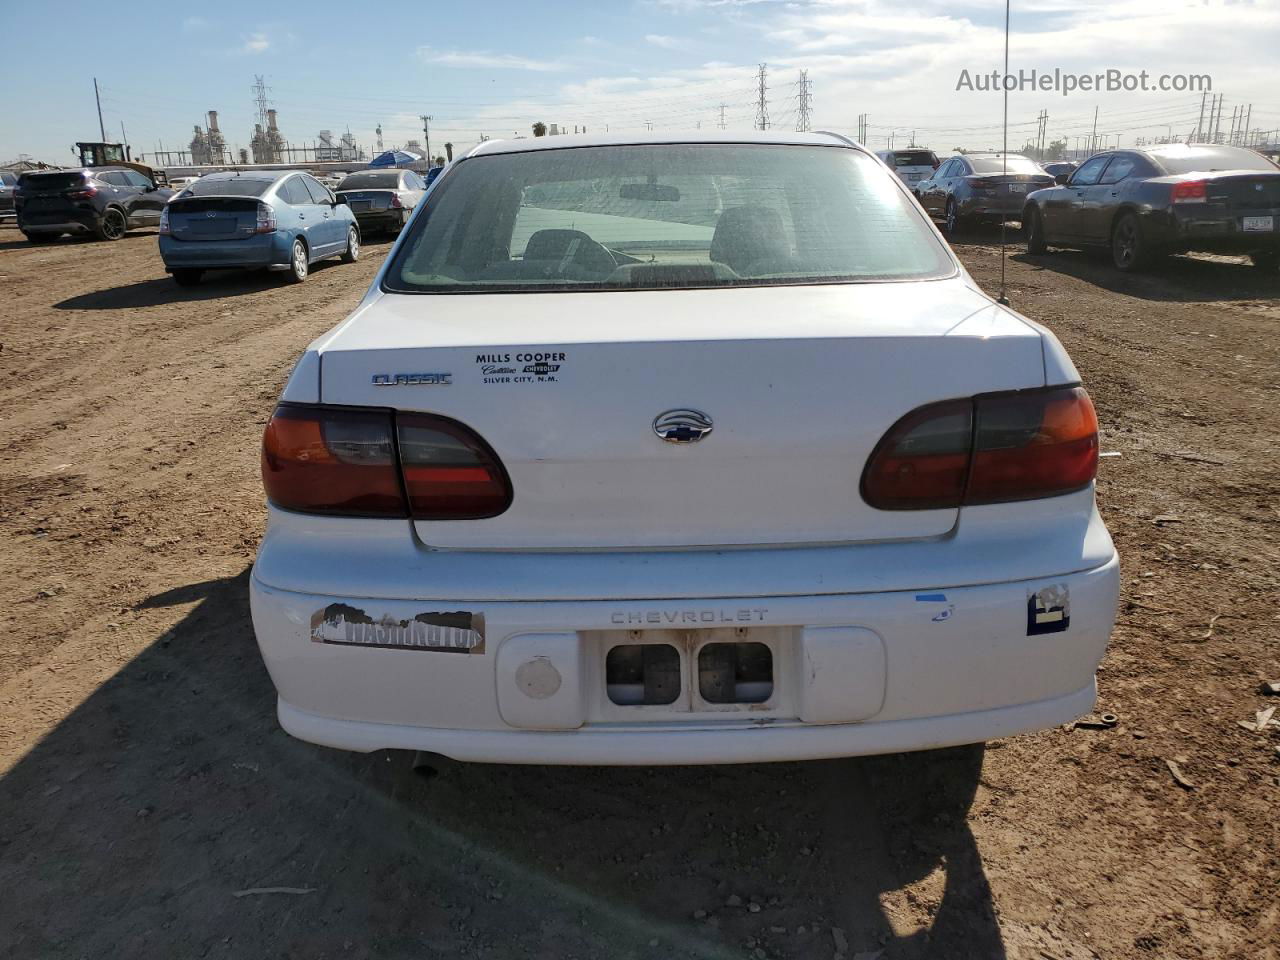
(281, 221)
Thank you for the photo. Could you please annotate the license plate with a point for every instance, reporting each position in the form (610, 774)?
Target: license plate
(1258, 224)
(361, 204)
(1017, 188)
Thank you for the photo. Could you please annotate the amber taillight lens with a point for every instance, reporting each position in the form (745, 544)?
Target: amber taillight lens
(356, 462)
(987, 449)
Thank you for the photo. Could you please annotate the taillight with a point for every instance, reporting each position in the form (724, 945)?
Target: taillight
(395, 201)
(988, 449)
(1190, 191)
(348, 461)
(266, 219)
(88, 193)
(164, 222)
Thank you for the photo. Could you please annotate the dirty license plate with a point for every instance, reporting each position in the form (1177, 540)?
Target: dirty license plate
(1258, 224)
(1017, 188)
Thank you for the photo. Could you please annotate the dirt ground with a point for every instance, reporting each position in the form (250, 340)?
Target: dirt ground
(146, 784)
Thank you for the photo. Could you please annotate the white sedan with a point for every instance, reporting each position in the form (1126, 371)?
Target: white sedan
(655, 450)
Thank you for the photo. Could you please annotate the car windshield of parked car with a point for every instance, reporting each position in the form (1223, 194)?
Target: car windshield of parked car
(231, 187)
(1004, 164)
(51, 181)
(383, 180)
(664, 216)
(1206, 159)
(914, 158)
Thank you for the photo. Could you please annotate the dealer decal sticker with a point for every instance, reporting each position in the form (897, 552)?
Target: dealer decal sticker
(453, 632)
(524, 367)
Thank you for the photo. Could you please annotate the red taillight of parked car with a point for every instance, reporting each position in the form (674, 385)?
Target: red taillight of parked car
(988, 449)
(396, 202)
(266, 220)
(86, 193)
(348, 461)
(1190, 191)
(165, 229)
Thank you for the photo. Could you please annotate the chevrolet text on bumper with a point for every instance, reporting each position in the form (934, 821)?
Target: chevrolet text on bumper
(673, 508)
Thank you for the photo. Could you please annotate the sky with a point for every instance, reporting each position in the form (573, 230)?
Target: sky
(494, 68)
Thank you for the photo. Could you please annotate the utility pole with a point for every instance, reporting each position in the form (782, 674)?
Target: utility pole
(426, 136)
(762, 102)
(98, 100)
(802, 112)
(379, 132)
(1093, 140)
(722, 106)
(1200, 122)
(124, 138)
(1244, 140)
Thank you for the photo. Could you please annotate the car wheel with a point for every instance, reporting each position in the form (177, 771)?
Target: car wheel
(111, 225)
(298, 265)
(187, 278)
(1033, 224)
(1268, 260)
(352, 253)
(953, 223)
(1128, 250)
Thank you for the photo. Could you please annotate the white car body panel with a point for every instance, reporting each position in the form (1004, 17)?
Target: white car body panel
(888, 630)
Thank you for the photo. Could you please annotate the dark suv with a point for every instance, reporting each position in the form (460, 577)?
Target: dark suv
(104, 201)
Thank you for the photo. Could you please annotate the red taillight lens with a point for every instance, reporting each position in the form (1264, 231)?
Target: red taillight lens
(991, 449)
(88, 193)
(266, 219)
(449, 472)
(395, 201)
(923, 461)
(332, 460)
(1190, 191)
(353, 462)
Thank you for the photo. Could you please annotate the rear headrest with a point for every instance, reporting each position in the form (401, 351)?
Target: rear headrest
(748, 234)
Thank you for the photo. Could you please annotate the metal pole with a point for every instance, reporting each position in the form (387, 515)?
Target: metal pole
(1200, 122)
(98, 100)
(1093, 140)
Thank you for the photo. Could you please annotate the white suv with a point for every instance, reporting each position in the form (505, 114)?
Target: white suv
(679, 450)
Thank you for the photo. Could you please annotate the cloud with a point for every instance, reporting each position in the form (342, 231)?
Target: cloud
(483, 59)
(256, 43)
(667, 43)
(194, 24)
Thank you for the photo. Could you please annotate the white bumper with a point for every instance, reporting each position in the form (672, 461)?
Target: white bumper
(854, 673)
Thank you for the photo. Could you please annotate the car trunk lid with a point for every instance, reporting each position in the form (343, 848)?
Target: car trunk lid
(365, 201)
(213, 218)
(799, 382)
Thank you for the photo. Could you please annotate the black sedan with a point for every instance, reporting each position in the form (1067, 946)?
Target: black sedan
(974, 187)
(1142, 204)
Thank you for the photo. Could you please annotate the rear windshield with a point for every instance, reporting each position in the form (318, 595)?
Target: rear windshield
(1197, 159)
(233, 187)
(665, 216)
(8, 179)
(998, 165)
(371, 181)
(914, 158)
(52, 181)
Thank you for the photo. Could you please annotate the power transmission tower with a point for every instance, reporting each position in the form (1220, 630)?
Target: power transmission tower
(379, 132)
(762, 102)
(259, 89)
(722, 106)
(862, 128)
(802, 112)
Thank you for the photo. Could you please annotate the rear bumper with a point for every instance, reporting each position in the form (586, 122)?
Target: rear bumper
(382, 219)
(994, 208)
(1223, 231)
(855, 673)
(260, 250)
(59, 225)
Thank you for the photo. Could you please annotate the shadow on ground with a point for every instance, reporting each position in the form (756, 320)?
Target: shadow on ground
(1180, 279)
(130, 828)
